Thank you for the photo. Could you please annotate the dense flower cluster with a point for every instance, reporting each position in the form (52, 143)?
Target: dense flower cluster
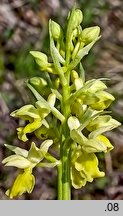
(69, 111)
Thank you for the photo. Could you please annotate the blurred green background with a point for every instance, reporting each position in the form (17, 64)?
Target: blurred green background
(24, 27)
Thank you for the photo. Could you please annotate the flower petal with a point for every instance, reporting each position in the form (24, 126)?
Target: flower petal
(29, 128)
(76, 178)
(24, 182)
(17, 150)
(106, 142)
(16, 161)
(73, 123)
(26, 111)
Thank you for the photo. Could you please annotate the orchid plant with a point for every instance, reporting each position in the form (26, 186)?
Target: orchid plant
(69, 113)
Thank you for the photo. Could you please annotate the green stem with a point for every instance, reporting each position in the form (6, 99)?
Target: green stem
(66, 186)
(59, 171)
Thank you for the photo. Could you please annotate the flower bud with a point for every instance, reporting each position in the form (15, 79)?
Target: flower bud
(56, 30)
(90, 34)
(57, 82)
(40, 85)
(73, 122)
(41, 59)
(38, 82)
(51, 99)
(75, 18)
(74, 34)
(74, 75)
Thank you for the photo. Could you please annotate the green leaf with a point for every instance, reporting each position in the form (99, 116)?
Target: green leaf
(82, 72)
(56, 92)
(52, 159)
(56, 113)
(57, 57)
(45, 123)
(36, 94)
(82, 52)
